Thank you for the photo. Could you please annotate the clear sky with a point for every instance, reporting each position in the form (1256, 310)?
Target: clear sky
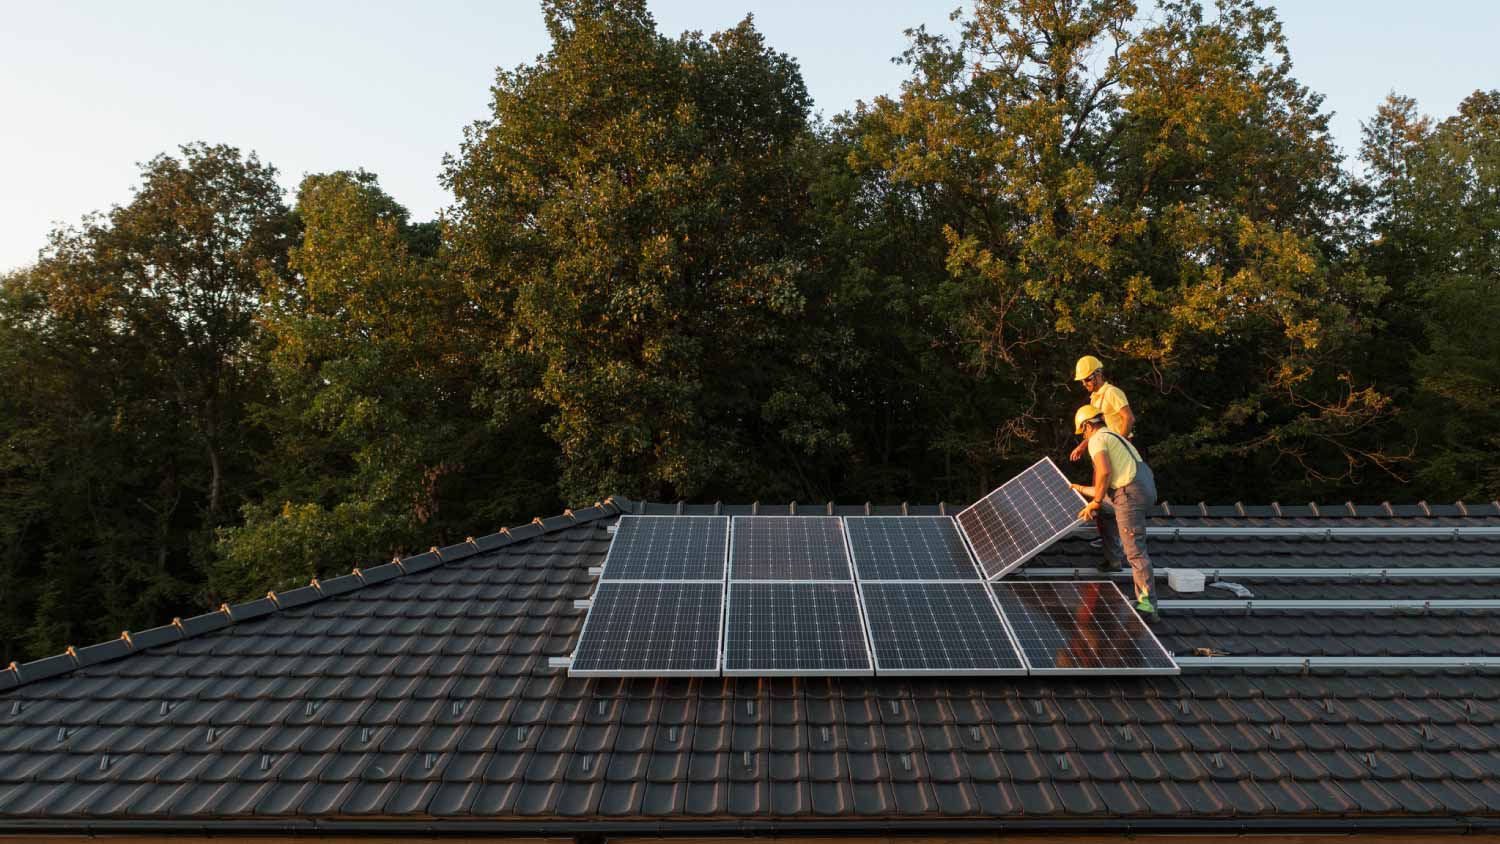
(89, 89)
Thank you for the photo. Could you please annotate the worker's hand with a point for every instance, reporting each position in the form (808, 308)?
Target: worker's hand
(1078, 452)
(1088, 511)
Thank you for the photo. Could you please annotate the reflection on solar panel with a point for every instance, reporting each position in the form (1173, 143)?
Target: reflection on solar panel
(937, 628)
(668, 548)
(788, 548)
(1080, 627)
(1021, 518)
(794, 628)
(651, 629)
(908, 548)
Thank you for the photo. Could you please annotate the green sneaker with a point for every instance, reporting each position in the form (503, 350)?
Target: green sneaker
(1147, 611)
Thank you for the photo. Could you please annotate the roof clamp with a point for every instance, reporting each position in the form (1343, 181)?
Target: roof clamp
(749, 761)
(976, 734)
(521, 733)
(602, 708)
(1275, 731)
(1328, 705)
(312, 708)
(1182, 706)
(1036, 707)
(826, 735)
(672, 734)
(749, 707)
(895, 707)
(365, 734)
(588, 763)
(213, 734)
(1062, 762)
(15, 707)
(265, 761)
(164, 709)
(104, 762)
(62, 733)
(1425, 732)
(458, 707)
(430, 761)
(1370, 759)
(1126, 734)
(1218, 760)
(906, 761)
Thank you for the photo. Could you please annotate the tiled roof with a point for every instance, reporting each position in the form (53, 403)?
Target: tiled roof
(419, 696)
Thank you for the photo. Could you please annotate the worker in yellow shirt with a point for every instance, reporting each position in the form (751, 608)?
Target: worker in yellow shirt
(1124, 479)
(1107, 397)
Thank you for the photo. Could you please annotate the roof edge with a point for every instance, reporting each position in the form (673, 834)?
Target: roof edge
(21, 674)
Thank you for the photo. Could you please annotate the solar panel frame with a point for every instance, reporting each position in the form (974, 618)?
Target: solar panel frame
(623, 585)
(737, 570)
(1171, 669)
(610, 554)
(1057, 534)
(971, 572)
(864, 635)
(1020, 670)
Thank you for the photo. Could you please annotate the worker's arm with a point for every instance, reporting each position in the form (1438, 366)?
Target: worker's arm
(1095, 493)
(1078, 452)
(1127, 419)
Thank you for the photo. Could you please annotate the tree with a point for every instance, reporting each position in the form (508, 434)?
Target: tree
(1437, 228)
(633, 218)
(131, 345)
(377, 447)
(1161, 192)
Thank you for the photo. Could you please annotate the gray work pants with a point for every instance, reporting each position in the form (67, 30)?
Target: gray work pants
(1125, 529)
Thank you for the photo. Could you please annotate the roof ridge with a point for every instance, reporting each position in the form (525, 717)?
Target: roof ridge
(20, 674)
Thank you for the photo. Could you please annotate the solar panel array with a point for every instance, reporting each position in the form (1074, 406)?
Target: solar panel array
(890, 595)
(1021, 518)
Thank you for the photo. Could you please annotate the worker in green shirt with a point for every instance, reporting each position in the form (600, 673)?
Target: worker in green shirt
(1124, 479)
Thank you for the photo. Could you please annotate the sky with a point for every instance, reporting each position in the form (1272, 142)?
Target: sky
(90, 89)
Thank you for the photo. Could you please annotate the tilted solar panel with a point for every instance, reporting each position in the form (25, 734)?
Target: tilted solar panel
(781, 628)
(668, 548)
(651, 629)
(937, 628)
(1021, 518)
(1080, 627)
(788, 548)
(908, 548)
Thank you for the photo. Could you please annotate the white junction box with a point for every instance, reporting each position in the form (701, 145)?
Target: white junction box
(1185, 580)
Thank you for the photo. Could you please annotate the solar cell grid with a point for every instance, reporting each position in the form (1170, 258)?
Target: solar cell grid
(788, 548)
(777, 628)
(651, 629)
(937, 628)
(668, 548)
(1021, 518)
(908, 548)
(1080, 627)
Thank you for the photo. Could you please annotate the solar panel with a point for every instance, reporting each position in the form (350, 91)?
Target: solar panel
(778, 628)
(668, 548)
(1021, 518)
(1080, 627)
(788, 548)
(908, 548)
(937, 628)
(651, 629)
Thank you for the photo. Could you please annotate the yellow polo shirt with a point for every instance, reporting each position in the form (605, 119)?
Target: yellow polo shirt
(1111, 402)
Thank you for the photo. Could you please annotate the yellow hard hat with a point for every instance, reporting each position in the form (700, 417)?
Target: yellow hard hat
(1086, 366)
(1083, 415)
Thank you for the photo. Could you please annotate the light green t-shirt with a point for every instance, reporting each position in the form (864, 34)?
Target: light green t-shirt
(1122, 457)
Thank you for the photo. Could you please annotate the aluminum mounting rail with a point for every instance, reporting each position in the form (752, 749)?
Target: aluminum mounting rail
(1270, 573)
(1204, 663)
(1322, 532)
(1357, 604)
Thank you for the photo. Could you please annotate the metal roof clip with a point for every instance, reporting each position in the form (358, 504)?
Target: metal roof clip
(104, 762)
(672, 734)
(431, 761)
(15, 707)
(601, 707)
(825, 735)
(62, 733)
(749, 707)
(906, 761)
(365, 734)
(1062, 762)
(588, 764)
(213, 734)
(895, 707)
(974, 733)
(1218, 759)
(265, 761)
(749, 761)
(458, 707)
